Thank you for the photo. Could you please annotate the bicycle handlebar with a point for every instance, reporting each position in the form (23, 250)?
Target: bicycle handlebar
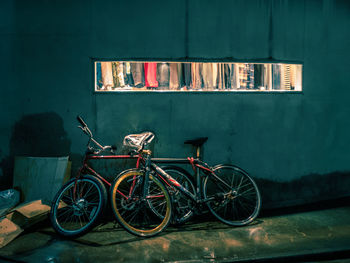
(81, 121)
(87, 131)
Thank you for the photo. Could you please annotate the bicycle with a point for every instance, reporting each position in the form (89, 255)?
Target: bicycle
(79, 204)
(230, 193)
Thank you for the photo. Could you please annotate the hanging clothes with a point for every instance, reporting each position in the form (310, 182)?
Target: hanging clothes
(137, 71)
(234, 76)
(127, 75)
(163, 75)
(175, 80)
(225, 75)
(187, 75)
(220, 77)
(276, 76)
(151, 74)
(120, 70)
(250, 76)
(246, 76)
(207, 72)
(215, 68)
(196, 74)
(268, 76)
(227, 71)
(107, 75)
(118, 74)
(292, 76)
(258, 76)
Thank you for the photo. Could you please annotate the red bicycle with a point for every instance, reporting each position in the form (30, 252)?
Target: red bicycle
(79, 204)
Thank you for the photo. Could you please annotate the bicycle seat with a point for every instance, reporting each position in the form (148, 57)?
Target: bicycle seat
(197, 142)
(138, 140)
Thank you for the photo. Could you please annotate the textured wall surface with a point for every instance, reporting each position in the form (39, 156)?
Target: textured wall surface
(48, 47)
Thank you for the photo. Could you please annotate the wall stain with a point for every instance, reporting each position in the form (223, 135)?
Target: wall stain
(306, 190)
(38, 135)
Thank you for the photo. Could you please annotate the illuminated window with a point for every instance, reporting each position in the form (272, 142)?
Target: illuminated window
(196, 76)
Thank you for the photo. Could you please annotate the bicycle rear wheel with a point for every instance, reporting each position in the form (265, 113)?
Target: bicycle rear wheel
(235, 203)
(182, 205)
(77, 206)
(140, 216)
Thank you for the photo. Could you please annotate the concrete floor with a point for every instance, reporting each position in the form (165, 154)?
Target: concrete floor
(313, 236)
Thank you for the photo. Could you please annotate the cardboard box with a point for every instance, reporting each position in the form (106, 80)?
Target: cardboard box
(40, 178)
(26, 215)
(20, 218)
(8, 231)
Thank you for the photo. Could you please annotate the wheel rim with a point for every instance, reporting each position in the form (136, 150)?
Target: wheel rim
(237, 205)
(77, 206)
(148, 217)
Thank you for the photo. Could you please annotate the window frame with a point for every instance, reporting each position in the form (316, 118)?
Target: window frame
(216, 91)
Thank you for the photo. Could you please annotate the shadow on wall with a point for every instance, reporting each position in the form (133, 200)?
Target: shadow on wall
(39, 135)
(305, 190)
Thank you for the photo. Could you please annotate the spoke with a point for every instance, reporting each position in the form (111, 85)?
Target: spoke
(233, 179)
(239, 186)
(235, 210)
(147, 218)
(87, 216)
(248, 202)
(252, 200)
(81, 224)
(252, 189)
(161, 203)
(247, 184)
(132, 215)
(64, 212)
(122, 213)
(225, 210)
(88, 191)
(245, 208)
(93, 194)
(68, 197)
(67, 217)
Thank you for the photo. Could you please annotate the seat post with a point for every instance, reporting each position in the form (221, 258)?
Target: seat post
(198, 144)
(198, 152)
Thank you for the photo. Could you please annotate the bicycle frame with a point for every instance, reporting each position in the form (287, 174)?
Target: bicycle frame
(86, 168)
(197, 166)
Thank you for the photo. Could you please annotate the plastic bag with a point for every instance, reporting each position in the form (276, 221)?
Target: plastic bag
(8, 199)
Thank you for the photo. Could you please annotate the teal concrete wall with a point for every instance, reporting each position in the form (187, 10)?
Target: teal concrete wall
(285, 141)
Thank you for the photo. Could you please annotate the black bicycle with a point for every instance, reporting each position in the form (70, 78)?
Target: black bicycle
(140, 197)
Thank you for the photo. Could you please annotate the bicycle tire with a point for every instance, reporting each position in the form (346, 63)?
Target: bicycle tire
(237, 206)
(77, 206)
(182, 205)
(135, 214)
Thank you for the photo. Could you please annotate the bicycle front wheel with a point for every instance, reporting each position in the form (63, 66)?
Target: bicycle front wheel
(140, 215)
(77, 206)
(235, 197)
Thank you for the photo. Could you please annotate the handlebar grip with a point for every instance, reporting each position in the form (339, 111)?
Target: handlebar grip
(81, 121)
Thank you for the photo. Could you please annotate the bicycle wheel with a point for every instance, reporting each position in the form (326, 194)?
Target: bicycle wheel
(235, 203)
(182, 205)
(135, 213)
(77, 206)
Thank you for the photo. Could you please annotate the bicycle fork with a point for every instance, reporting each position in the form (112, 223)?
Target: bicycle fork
(147, 174)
